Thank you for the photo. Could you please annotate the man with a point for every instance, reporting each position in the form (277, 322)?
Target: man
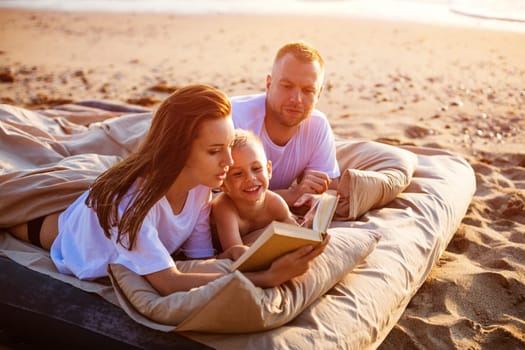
(297, 138)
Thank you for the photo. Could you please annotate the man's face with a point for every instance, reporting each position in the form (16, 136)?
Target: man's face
(293, 90)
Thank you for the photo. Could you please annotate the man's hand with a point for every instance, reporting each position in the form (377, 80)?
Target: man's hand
(310, 182)
(304, 208)
(313, 181)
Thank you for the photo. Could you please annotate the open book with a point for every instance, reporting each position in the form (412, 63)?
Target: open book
(280, 238)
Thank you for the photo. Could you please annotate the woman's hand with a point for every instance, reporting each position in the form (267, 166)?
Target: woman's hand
(288, 266)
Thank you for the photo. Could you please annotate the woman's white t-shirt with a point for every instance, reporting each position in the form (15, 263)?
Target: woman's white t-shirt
(82, 249)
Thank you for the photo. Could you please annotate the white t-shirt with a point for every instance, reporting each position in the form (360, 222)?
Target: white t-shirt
(311, 148)
(82, 249)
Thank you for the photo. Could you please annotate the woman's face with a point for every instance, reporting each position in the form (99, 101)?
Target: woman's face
(210, 155)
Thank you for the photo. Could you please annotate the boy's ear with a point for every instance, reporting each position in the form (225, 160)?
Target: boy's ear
(269, 167)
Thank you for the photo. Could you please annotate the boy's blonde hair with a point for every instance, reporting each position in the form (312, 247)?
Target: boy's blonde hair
(244, 137)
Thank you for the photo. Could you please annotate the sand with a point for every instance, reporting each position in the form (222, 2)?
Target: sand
(453, 88)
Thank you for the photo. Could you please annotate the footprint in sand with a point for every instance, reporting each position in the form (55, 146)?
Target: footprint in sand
(508, 206)
(417, 132)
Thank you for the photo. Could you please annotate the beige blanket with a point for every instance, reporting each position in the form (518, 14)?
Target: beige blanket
(50, 157)
(419, 195)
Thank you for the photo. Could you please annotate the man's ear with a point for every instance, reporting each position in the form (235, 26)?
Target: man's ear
(268, 82)
(269, 167)
(320, 92)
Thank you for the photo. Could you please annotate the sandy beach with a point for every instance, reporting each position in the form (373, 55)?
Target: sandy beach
(445, 87)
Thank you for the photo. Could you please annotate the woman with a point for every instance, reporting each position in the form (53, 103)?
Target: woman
(155, 202)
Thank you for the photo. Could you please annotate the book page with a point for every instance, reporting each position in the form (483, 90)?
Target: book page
(325, 211)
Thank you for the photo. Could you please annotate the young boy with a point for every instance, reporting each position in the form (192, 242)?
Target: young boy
(246, 206)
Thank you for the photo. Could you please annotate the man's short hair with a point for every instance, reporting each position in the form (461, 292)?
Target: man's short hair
(301, 51)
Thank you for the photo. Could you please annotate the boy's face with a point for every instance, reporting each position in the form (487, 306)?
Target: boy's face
(249, 176)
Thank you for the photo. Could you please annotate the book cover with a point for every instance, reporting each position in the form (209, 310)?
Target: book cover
(280, 238)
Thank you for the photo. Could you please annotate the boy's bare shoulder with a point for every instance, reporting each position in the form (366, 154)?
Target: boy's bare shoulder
(273, 196)
(276, 202)
(222, 200)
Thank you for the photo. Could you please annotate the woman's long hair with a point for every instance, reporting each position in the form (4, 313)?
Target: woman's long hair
(158, 161)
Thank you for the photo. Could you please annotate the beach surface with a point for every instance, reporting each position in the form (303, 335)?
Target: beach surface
(401, 83)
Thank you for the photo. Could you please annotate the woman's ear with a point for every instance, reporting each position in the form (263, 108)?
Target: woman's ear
(269, 167)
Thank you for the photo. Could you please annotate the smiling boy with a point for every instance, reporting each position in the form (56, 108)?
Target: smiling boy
(246, 206)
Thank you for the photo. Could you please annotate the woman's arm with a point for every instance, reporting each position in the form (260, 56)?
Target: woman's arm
(283, 269)
(172, 280)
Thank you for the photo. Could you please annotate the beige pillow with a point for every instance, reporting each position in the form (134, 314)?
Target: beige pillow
(372, 175)
(232, 304)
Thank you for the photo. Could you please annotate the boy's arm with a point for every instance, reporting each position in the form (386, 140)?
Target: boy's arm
(226, 221)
